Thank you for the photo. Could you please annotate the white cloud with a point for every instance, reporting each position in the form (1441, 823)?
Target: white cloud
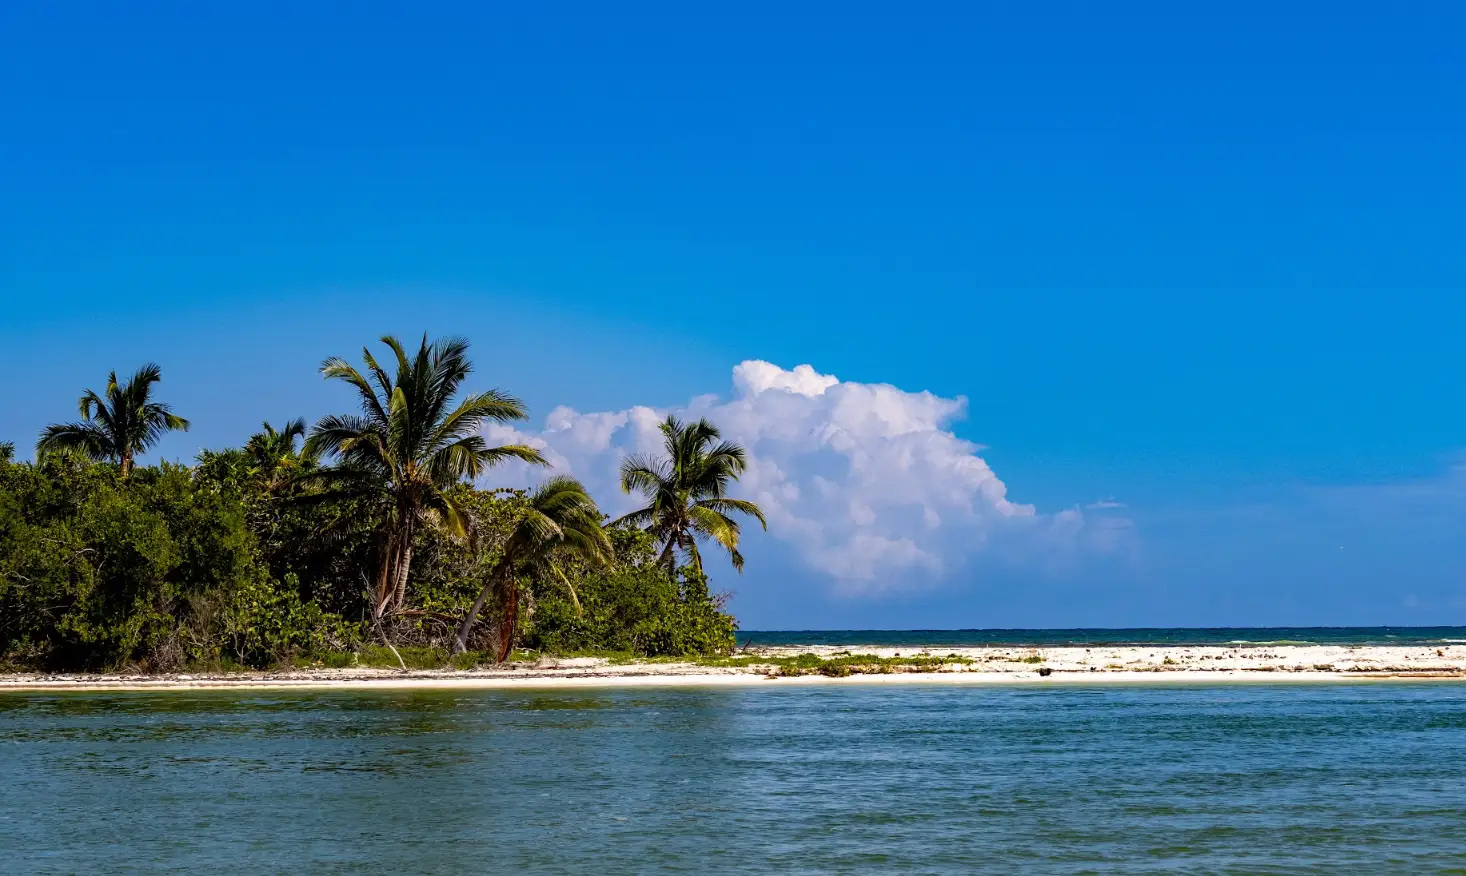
(865, 482)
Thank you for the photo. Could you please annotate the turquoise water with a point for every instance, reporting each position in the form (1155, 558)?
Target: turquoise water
(1279, 778)
(1156, 636)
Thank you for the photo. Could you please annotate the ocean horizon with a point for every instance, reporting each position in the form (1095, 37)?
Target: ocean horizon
(1104, 636)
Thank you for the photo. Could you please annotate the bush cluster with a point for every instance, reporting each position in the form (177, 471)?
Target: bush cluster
(209, 566)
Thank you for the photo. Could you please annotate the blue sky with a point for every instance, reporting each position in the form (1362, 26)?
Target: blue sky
(1205, 263)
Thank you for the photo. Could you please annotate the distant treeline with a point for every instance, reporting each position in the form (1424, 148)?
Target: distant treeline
(366, 529)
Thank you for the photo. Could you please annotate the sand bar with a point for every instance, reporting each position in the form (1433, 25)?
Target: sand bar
(987, 665)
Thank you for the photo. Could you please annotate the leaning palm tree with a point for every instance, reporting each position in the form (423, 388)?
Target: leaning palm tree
(410, 445)
(560, 518)
(687, 492)
(117, 427)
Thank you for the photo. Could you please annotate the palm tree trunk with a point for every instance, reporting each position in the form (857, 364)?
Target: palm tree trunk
(385, 579)
(508, 618)
(461, 644)
(399, 592)
(126, 464)
(392, 587)
(669, 555)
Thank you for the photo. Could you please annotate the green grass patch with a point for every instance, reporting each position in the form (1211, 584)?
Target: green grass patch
(380, 657)
(337, 660)
(219, 666)
(837, 666)
(470, 660)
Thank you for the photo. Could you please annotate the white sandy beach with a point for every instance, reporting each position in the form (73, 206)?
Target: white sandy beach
(1068, 665)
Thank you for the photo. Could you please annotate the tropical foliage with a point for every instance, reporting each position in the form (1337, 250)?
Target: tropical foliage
(313, 544)
(116, 426)
(410, 445)
(687, 492)
(558, 518)
(273, 456)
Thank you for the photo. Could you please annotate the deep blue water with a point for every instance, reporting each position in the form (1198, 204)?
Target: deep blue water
(1157, 636)
(1277, 778)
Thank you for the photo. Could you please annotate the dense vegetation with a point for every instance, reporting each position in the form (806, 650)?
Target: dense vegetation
(367, 532)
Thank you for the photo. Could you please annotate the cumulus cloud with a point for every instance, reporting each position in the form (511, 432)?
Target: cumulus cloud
(865, 482)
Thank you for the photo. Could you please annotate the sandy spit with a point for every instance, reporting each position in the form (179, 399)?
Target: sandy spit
(987, 666)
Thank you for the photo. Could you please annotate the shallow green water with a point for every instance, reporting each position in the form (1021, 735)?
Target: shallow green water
(849, 779)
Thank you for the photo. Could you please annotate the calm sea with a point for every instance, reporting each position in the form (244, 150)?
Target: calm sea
(1275, 778)
(1154, 636)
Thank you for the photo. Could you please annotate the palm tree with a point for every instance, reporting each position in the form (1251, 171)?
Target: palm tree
(273, 456)
(410, 445)
(7, 451)
(116, 428)
(560, 518)
(688, 492)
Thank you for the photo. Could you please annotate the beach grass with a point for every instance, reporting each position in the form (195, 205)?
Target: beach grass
(835, 666)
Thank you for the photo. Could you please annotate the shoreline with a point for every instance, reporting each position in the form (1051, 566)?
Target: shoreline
(953, 666)
(629, 682)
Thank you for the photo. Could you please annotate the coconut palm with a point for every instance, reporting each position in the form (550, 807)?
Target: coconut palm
(273, 456)
(7, 451)
(118, 427)
(560, 518)
(410, 445)
(687, 492)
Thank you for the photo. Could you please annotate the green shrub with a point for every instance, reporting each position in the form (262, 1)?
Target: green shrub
(636, 609)
(153, 573)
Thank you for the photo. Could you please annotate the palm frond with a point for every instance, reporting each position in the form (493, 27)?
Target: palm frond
(717, 526)
(399, 423)
(89, 439)
(473, 411)
(505, 452)
(449, 511)
(338, 369)
(333, 431)
(143, 380)
(404, 368)
(728, 457)
(339, 483)
(638, 518)
(443, 367)
(738, 506)
(642, 474)
(721, 529)
(461, 460)
(90, 404)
